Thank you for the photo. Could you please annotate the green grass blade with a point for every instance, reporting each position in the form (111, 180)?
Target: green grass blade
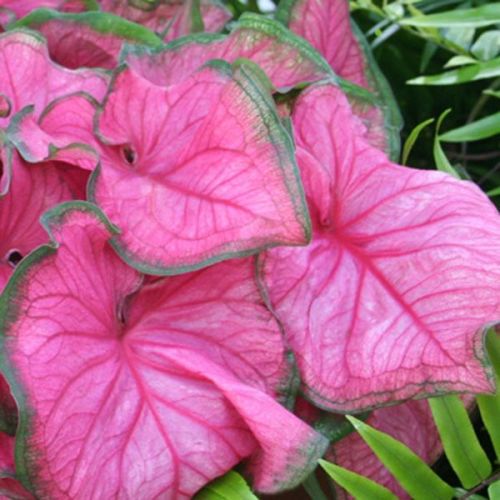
(358, 486)
(489, 406)
(485, 15)
(442, 162)
(414, 475)
(412, 139)
(464, 74)
(227, 487)
(460, 443)
(475, 131)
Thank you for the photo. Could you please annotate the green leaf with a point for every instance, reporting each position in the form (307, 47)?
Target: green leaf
(464, 74)
(412, 139)
(485, 15)
(358, 486)
(460, 442)
(460, 61)
(414, 475)
(487, 46)
(475, 131)
(227, 487)
(489, 406)
(313, 488)
(442, 162)
(494, 192)
(494, 491)
(492, 93)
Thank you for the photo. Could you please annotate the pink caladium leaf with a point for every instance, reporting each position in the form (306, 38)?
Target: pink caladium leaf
(410, 422)
(403, 274)
(10, 487)
(90, 39)
(326, 24)
(29, 77)
(7, 16)
(34, 189)
(197, 172)
(287, 60)
(22, 7)
(172, 18)
(138, 375)
(62, 133)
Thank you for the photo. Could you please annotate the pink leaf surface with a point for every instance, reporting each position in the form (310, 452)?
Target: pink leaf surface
(63, 133)
(29, 77)
(23, 7)
(91, 39)
(172, 18)
(146, 392)
(10, 487)
(197, 172)
(287, 60)
(410, 422)
(34, 189)
(326, 25)
(391, 298)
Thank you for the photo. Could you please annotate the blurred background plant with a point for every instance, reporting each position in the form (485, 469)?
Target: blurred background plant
(442, 58)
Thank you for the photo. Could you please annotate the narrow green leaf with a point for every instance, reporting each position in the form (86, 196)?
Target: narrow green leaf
(227, 487)
(412, 139)
(414, 475)
(492, 93)
(475, 131)
(464, 74)
(460, 442)
(487, 46)
(494, 192)
(494, 491)
(358, 486)
(489, 406)
(313, 488)
(485, 15)
(460, 61)
(460, 36)
(440, 159)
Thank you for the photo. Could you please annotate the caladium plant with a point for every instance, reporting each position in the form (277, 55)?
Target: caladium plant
(241, 239)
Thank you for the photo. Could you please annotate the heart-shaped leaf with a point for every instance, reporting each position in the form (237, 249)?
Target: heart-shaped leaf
(391, 298)
(143, 392)
(197, 172)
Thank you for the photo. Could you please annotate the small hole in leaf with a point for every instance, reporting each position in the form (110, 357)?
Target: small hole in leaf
(5, 106)
(14, 257)
(129, 155)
